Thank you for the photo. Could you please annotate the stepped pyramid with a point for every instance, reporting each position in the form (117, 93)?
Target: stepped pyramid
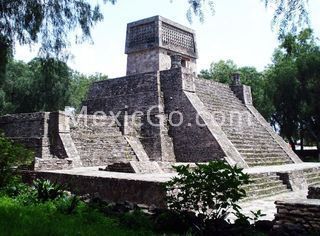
(218, 121)
(160, 115)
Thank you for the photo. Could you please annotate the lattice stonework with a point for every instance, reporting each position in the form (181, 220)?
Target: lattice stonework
(142, 34)
(177, 37)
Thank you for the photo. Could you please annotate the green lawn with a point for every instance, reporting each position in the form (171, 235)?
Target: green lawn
(46, 219)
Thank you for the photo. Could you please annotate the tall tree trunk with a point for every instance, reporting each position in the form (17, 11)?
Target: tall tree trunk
(4, 55)
(318, 148)
(301, 139)
(292, 144)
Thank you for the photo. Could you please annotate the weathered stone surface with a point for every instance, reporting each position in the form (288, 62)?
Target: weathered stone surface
(301, 214)
(151, 41)
(108, 189)
(314, 192)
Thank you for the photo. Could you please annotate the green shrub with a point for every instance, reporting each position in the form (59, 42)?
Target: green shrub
(12, 155)
(211, 190)
(47, 219)
(175, 222)
(15, 188)
(45, 190)
(135, 220)
(68, 204)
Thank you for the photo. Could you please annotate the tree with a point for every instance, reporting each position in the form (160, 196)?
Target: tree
(43, 85)
(12, 156)
(211, 190)
(220, 71)
(18, 88)
(295, 87)
(52, 81)
(289, 15)
(80, 85)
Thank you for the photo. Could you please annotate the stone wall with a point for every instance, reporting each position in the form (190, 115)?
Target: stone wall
(60, 143)
(297, 217)
(29, 130)
(314, 192)
(108, 189)
(137, 96)
(144, 61)
(126, 94)
(191, 142)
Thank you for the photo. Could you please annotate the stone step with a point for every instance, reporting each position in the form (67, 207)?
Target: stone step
(249, 136)
(263, 156)
(229, 103)
(264, 179)
(223, 103)
(268, 163)
(263, 194)
(226, 110)
(225, 93)
(254, 131)
(245, 147)
(313, 180)
(253, 149)
(263, 185)
(249, 143)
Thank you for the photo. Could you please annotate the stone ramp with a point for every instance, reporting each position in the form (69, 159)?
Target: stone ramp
(99, 141)
(248, 136)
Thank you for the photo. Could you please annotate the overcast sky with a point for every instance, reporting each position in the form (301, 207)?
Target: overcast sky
(239, 30)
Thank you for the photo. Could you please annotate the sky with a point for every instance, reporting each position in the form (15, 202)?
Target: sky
(239, 30)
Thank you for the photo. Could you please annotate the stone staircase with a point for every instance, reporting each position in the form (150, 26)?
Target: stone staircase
(312, 176)
(99, 141)
(250, 138)
(264, 185)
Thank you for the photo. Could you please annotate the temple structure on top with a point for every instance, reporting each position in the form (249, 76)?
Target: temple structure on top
(151, 42)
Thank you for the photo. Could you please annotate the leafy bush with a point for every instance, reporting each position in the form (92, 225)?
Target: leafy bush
(15, 188)
(68, 204)
(45, 190)
(11, 156)
(135, 220)
(47, 219)
(176, 222)
(210, 190)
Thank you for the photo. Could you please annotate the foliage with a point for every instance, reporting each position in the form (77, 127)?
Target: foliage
(196, 8)
(210, 190)
(18, 219)
(245, 220)
(43, 85)
(52, 79)
(294, 87)
(15, 188)
(220, 71)
(45, 190)
(11, 156)
(69, 204)
(48, 22)
(80, 84)
(135, 220)
(289, 15)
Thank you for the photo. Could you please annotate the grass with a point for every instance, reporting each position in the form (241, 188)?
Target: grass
(46, 219)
